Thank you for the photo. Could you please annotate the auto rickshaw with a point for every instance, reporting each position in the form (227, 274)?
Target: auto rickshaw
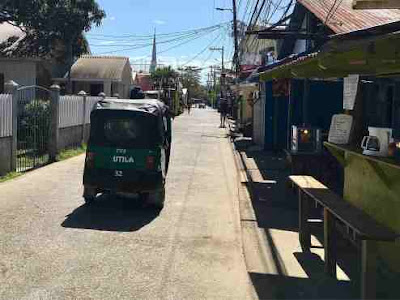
(128, 150)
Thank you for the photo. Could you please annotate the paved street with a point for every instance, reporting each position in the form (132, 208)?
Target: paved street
(54, 247)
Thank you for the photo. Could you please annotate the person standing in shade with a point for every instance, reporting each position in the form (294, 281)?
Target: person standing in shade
(189, 105)
(223, 109)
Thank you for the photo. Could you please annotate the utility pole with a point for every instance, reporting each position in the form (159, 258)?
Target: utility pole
(233, 10)
(235, 33)
(223, 65)
(213, 86)
(222, 80)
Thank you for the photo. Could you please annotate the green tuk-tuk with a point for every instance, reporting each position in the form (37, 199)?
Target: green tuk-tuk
(128, 149)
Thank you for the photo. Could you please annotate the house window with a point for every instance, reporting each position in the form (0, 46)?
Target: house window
(1, 83)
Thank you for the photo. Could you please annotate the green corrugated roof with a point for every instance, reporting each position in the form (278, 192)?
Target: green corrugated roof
(339, 58)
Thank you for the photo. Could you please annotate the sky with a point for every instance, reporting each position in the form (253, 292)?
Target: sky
(139, 18)
(132, 22)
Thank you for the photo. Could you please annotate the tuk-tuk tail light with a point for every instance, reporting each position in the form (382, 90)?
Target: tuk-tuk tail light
(90, 159)
(150, 162)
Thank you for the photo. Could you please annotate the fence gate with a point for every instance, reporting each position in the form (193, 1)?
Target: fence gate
(33, 127)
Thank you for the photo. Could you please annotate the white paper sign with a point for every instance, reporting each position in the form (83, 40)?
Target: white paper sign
(340, 130)
(350, 88)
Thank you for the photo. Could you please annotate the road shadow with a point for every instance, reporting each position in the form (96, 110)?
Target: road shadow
(111, 213)
(275, 206)
(269, 286)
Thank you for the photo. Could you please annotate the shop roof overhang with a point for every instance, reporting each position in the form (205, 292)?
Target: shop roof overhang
(363, 54)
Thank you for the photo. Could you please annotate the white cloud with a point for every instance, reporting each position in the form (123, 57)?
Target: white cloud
(159, 22)
(107, 43)
(111, 18)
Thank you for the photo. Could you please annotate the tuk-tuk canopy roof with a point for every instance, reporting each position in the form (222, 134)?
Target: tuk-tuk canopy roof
(150, 106)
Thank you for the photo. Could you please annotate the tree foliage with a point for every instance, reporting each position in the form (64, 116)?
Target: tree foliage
(51, 22)
(166, 72)
(35, 125)
(191, 79)
(163, 77)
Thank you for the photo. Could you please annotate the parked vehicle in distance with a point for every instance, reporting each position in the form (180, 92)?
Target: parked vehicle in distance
(156, 95)
(202, 105)
(128, 149)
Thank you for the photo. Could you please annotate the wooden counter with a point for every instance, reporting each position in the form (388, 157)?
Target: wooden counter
(373, 184)
(390, 162)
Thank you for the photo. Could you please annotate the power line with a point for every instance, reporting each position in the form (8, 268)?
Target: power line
(185, 41)
(336, 9)
(260, 10)
(212, 52)
(332, 10)
(158, 42)
(202, 51)
(253, 14)
(158, 35)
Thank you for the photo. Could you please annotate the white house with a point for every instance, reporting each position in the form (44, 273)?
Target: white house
(95, 74)
(23, 70)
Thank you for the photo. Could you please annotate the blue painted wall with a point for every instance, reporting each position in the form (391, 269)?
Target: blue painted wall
(325, 100)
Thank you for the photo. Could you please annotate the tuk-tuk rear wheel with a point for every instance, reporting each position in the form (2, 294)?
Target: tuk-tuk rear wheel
(89, 194)
(89, 199)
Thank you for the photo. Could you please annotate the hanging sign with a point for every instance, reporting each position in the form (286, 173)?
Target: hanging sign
(340, 130)
(350, 88)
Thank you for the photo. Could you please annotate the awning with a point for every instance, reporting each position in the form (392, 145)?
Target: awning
(377, 56)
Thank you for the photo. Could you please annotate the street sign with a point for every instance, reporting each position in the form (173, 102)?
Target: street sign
(376, 4)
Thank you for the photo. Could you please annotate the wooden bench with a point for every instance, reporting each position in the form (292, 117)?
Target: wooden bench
(363, 227)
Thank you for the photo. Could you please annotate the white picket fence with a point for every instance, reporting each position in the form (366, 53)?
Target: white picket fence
(5, 115)
(71, 110)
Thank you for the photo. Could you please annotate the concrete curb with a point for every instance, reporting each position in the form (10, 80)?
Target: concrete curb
(243, 197)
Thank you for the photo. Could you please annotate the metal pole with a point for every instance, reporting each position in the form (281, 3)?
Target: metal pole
(223, 59)
(215, 86)
(223, 75)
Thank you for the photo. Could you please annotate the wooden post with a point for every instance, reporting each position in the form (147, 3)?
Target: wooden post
(54, 121)
(306, 96)
(304, 228)
(368, 269)
(330, 243)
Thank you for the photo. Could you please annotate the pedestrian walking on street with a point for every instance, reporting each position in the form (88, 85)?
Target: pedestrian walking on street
(223, 109)
(189, 106)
